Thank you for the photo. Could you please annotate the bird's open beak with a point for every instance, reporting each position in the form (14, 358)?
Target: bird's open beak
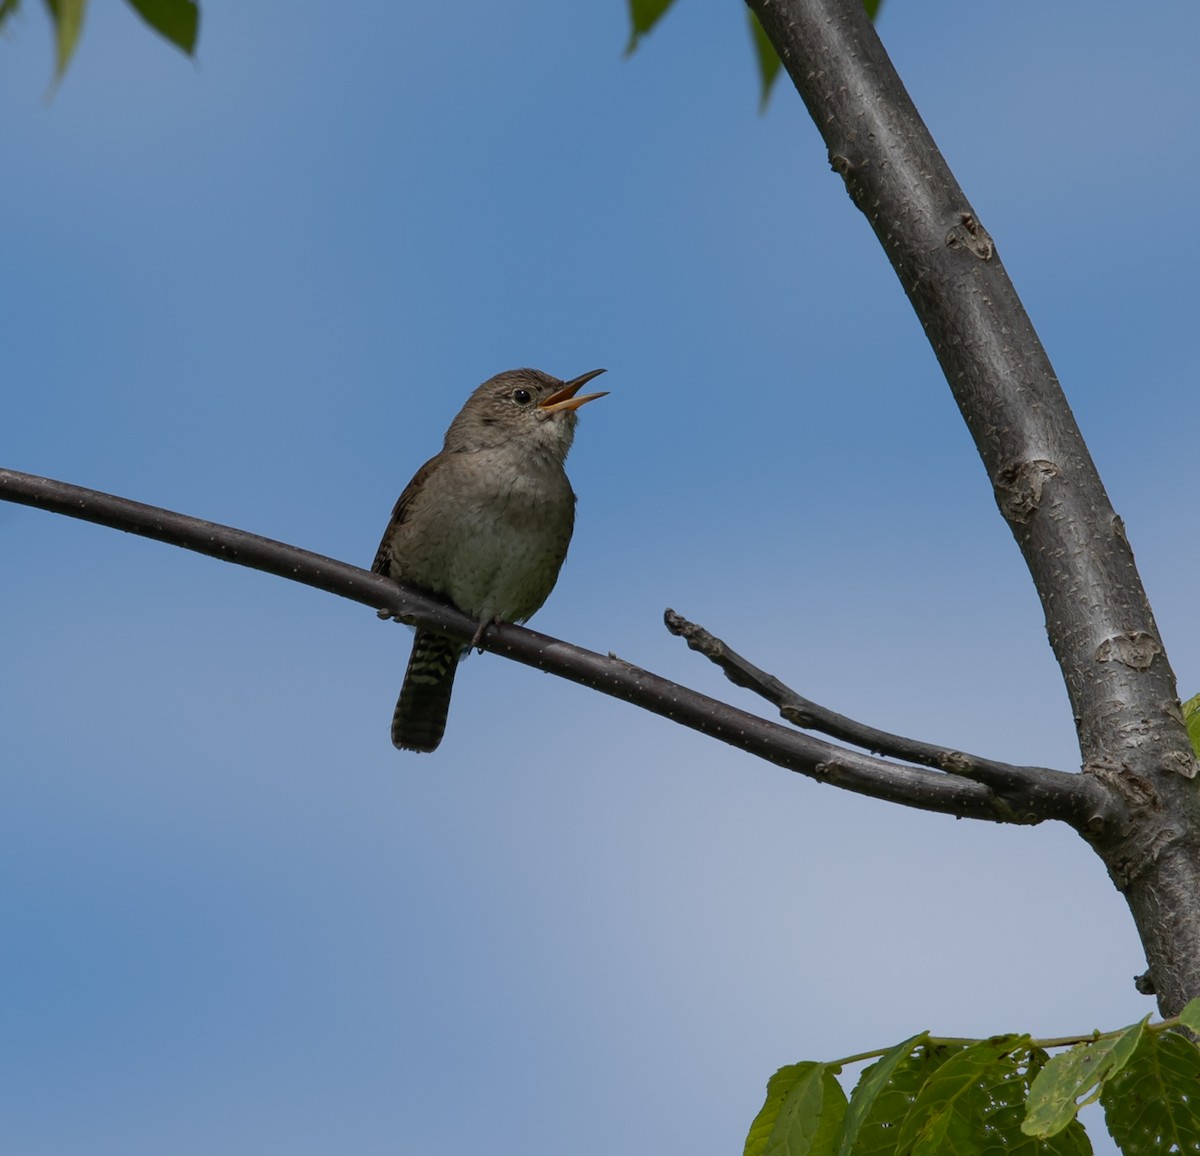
(563, 399)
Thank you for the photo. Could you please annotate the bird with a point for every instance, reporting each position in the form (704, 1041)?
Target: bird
(485, 524)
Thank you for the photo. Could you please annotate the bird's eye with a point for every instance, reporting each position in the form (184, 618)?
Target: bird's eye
(522, 396)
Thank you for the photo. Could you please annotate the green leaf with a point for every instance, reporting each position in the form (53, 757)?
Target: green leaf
(643, 16)
(1005, 1112)
(802, 1114)
(778, 1087)
(1190, 1016)
(177, 20)
(1153, 1104)
(67, 16)
(1055, 1096)
(8, 8)
(950, 1109)
(870, 1084)
(767, 57)
(1191, 716)
(879, 1132)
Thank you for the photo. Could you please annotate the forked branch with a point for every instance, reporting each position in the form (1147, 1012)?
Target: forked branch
(808, 715)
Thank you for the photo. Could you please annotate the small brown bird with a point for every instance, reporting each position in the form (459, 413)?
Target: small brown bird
(485, 524)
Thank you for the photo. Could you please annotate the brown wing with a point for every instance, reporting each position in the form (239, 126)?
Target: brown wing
(383, 556)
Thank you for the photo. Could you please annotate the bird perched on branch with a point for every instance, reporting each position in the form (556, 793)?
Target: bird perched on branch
(485, 524)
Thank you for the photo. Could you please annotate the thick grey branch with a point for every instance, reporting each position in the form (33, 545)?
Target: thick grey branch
(1046, 483)
(1098, 619)
(851, 770)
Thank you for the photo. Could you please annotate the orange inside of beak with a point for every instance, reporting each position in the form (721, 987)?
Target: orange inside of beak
(566, 398)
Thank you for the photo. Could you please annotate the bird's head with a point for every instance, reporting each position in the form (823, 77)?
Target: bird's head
(524, 408)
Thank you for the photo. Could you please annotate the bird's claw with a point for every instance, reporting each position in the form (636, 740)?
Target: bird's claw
(480, 631)
(388, 614)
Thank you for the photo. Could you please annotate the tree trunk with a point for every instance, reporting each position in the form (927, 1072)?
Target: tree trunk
(1131, 733)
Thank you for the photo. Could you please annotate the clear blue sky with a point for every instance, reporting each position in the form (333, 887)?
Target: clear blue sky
(232, 918)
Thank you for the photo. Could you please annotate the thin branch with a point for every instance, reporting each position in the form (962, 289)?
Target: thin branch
(805, 713)
(1070, 798)
(1092, 1037)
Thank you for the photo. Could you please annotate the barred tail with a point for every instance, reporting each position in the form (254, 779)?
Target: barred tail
(420, 717)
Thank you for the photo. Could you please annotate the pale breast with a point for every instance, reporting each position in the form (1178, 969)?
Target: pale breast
(491, 535)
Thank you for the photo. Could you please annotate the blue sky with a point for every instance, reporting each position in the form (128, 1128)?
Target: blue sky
(257, 288)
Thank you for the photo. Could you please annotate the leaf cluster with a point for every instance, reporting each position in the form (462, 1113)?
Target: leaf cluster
(926, 1096)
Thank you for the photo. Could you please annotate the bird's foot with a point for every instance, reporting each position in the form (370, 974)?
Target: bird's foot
(389, 616)
(480, 631)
